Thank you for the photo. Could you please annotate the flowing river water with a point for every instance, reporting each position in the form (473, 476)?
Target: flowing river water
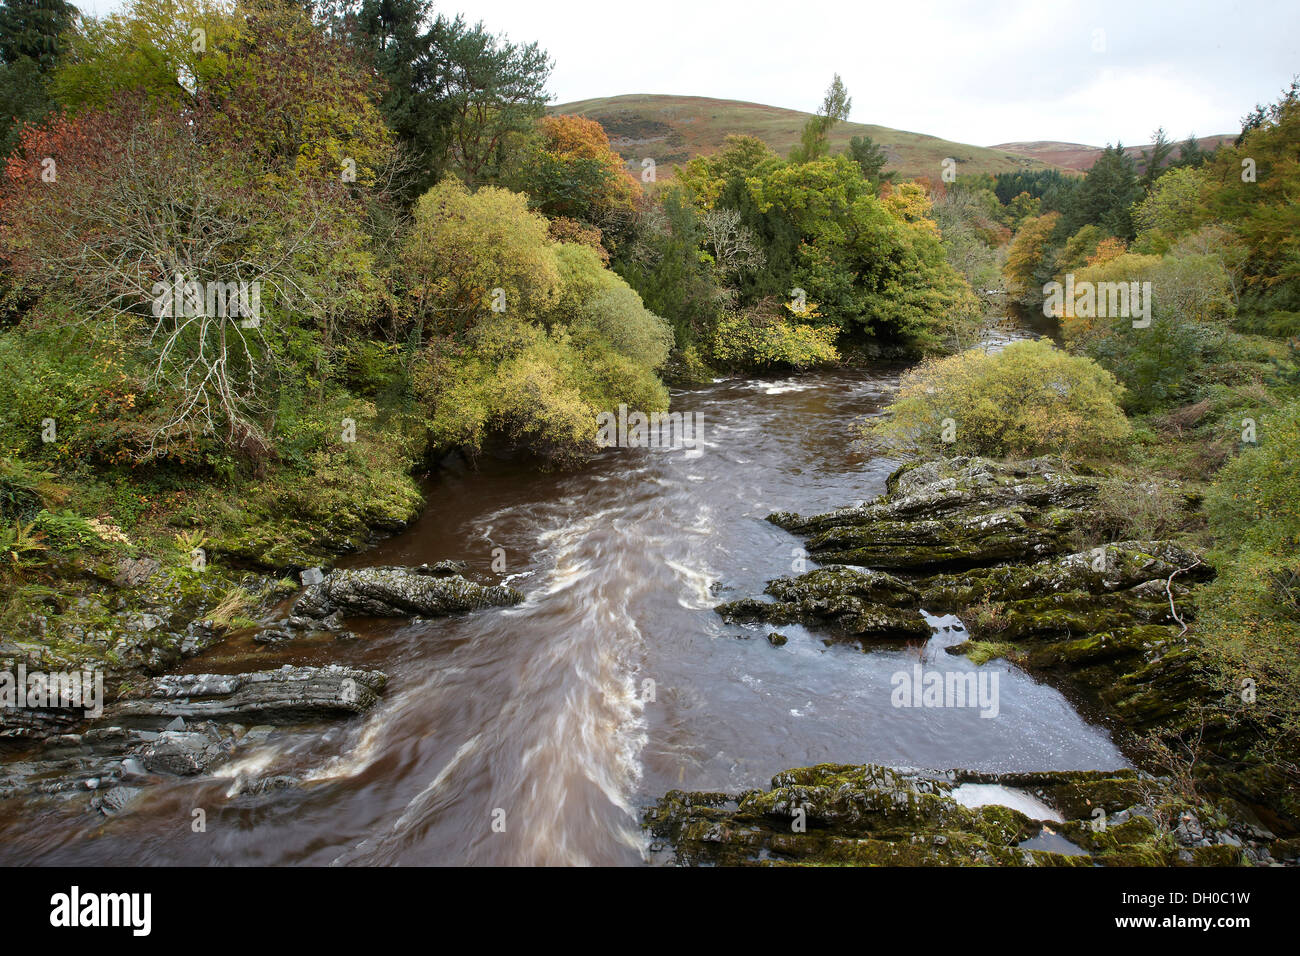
(538, 734)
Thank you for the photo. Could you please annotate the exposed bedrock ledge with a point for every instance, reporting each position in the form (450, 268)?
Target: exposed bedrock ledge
(954, 513)
(870, 815)
(1119, 585)
(1118, 566)
(399, 592)
(852, 603)
(287, 695)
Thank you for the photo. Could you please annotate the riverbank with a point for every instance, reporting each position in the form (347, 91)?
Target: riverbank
(611, 684)
(993, 543)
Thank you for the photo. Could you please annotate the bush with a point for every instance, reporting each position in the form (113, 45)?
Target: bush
(1154, 364)
(1028, 399)
(760, 339)
(540, 390)
(1253, 503)
(463, 245)
(1251, 611)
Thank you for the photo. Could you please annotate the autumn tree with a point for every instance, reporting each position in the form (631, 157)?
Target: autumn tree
(1028, 264)
(474, 254)
(569, 170)
(1252, 187)
(32, 39)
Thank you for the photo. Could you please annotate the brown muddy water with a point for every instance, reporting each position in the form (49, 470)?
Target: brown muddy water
(541, 718)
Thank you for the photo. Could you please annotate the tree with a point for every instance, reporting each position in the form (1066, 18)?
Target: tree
(870, 158)
(264, 69)
(32, 39)
(159, 228)
(868, 268)
(569, 170)
(1154, 159)
(34, 29)
(148, 46)
(405, 42)
(1252, 187)
(663, 263)
(1172, 207)
(494, 90)
(1262, 115)
(470, 255)
(813, 139)
(1106, 195)
(1028, 264)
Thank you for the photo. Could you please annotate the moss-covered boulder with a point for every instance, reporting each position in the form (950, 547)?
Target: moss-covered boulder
(851, 603)
(953, 513)
(847, 815)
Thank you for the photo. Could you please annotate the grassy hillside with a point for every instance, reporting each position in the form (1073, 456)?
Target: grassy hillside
(672, 129)
(1081, 157)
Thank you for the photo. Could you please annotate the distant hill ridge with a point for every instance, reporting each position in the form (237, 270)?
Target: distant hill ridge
(673, 129)
(1080, 157)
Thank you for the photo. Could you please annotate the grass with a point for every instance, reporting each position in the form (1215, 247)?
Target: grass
(673, 129)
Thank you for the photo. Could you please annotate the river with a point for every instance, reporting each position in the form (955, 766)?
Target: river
(537, 734)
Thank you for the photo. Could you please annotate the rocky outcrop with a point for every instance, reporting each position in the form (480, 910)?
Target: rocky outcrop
(288, 695)
(995, 543)
(851, 603)
(869, 815)
(953, 513)
(1110, 568)
(399, 592)
(186, 726)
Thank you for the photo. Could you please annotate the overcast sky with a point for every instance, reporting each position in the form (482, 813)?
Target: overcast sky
(1089, 72)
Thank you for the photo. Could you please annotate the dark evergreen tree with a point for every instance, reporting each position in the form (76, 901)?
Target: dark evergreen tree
(870, 157)
(1105, 196)
(31, 41)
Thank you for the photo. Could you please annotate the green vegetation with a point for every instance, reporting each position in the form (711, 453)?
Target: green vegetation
(260, 265)
(675, 129)
(1028, 399)
(1210, 376)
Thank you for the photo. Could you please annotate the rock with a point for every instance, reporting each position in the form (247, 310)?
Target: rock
(132, 572)
(835, 814)
(287, 695)
(952, 513)
(274, 635)
(115, 800)
(852, 603)
(776, 639)
(199, 636)
(444, 568)
(1113, 567)
(399, 592)
(142, 622)
(185, 754)
(312, 576)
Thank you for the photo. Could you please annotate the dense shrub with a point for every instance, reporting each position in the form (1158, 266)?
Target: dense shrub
(465, 246)
(540, 390)
(1028, 399)
(762, 339)
(1251, 612)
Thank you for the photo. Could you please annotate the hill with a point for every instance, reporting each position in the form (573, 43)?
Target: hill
(1079, 157)
(672, 129)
